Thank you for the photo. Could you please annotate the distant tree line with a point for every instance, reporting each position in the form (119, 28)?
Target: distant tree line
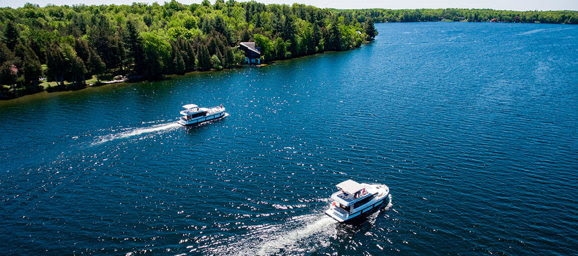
(70, 44)
(471, 15)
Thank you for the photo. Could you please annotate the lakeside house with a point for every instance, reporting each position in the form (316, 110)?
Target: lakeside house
(252, 52)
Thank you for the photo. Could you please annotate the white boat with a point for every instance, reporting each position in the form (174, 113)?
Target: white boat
(193, 114)
(354, 200)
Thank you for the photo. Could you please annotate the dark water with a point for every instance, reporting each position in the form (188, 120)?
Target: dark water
(473, 127)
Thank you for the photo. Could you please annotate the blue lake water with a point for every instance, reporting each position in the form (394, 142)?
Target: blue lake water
(473, 126)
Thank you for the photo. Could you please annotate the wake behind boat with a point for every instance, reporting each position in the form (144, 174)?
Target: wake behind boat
(193, 114)
(354, 200)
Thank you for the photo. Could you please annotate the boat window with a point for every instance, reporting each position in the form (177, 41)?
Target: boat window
(362, 201)
(344, 207)
(199, 114)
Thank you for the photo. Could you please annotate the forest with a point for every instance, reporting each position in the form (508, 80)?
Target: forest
(471, 15)
(57, 48)
(63, 47)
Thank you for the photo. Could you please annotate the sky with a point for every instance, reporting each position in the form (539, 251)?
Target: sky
(521, 5)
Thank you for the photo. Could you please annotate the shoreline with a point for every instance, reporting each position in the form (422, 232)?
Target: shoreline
(46, 94)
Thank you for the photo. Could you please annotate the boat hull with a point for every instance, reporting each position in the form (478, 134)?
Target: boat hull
(199, 120)
(358, 215)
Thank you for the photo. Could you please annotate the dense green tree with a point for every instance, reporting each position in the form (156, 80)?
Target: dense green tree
(82, 48)
(64, 65)
(107, 42)
(148, 41)
(221, 27)
(90, 58)
(178, 65)
(333, 37)
(229, 58)
(8, 73)
(216, 62)
(204, 58)
(135, 48)
(31, 66)
(370, 29)
(95, 65)
(11, 35)
(57, 63)
(267, 50)
(157, 52)
(279, 48)
(77, 70)
(5, 53)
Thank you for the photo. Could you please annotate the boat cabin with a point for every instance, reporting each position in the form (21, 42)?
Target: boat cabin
(192, 111)
(351, 195)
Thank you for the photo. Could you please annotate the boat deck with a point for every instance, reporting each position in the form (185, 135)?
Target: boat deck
(345, 197)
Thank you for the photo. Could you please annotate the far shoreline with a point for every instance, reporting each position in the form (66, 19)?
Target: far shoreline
(46, 94)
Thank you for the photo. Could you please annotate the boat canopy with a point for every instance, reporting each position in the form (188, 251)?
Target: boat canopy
(350, 187)
(189, 106)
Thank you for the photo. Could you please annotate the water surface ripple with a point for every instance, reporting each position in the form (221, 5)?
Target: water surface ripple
(472, 125)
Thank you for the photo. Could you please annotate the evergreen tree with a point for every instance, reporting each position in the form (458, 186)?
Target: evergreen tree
(204, 58)
(289, 34)
(229, 58)
(57, 63)
(135, 48)
(334, 37)
(77, 70)
(82, 49)
(5, 53)
(95, 65)
(11, 35)
(31, 67)
(107, 43)
(187, 52)
(178, 62)
(221, 27)
(370, 29)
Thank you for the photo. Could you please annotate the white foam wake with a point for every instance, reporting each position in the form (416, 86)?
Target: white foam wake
(289, 240)
(532, 32)
(137, 132)
(390, 203)
(299, 235)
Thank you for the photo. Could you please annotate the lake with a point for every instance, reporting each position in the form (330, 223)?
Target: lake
(473, 126)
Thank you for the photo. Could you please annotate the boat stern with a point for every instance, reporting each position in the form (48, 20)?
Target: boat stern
(339, 216)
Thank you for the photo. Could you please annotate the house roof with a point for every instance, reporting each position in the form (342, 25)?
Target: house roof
(251, 47)
(350, 186)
